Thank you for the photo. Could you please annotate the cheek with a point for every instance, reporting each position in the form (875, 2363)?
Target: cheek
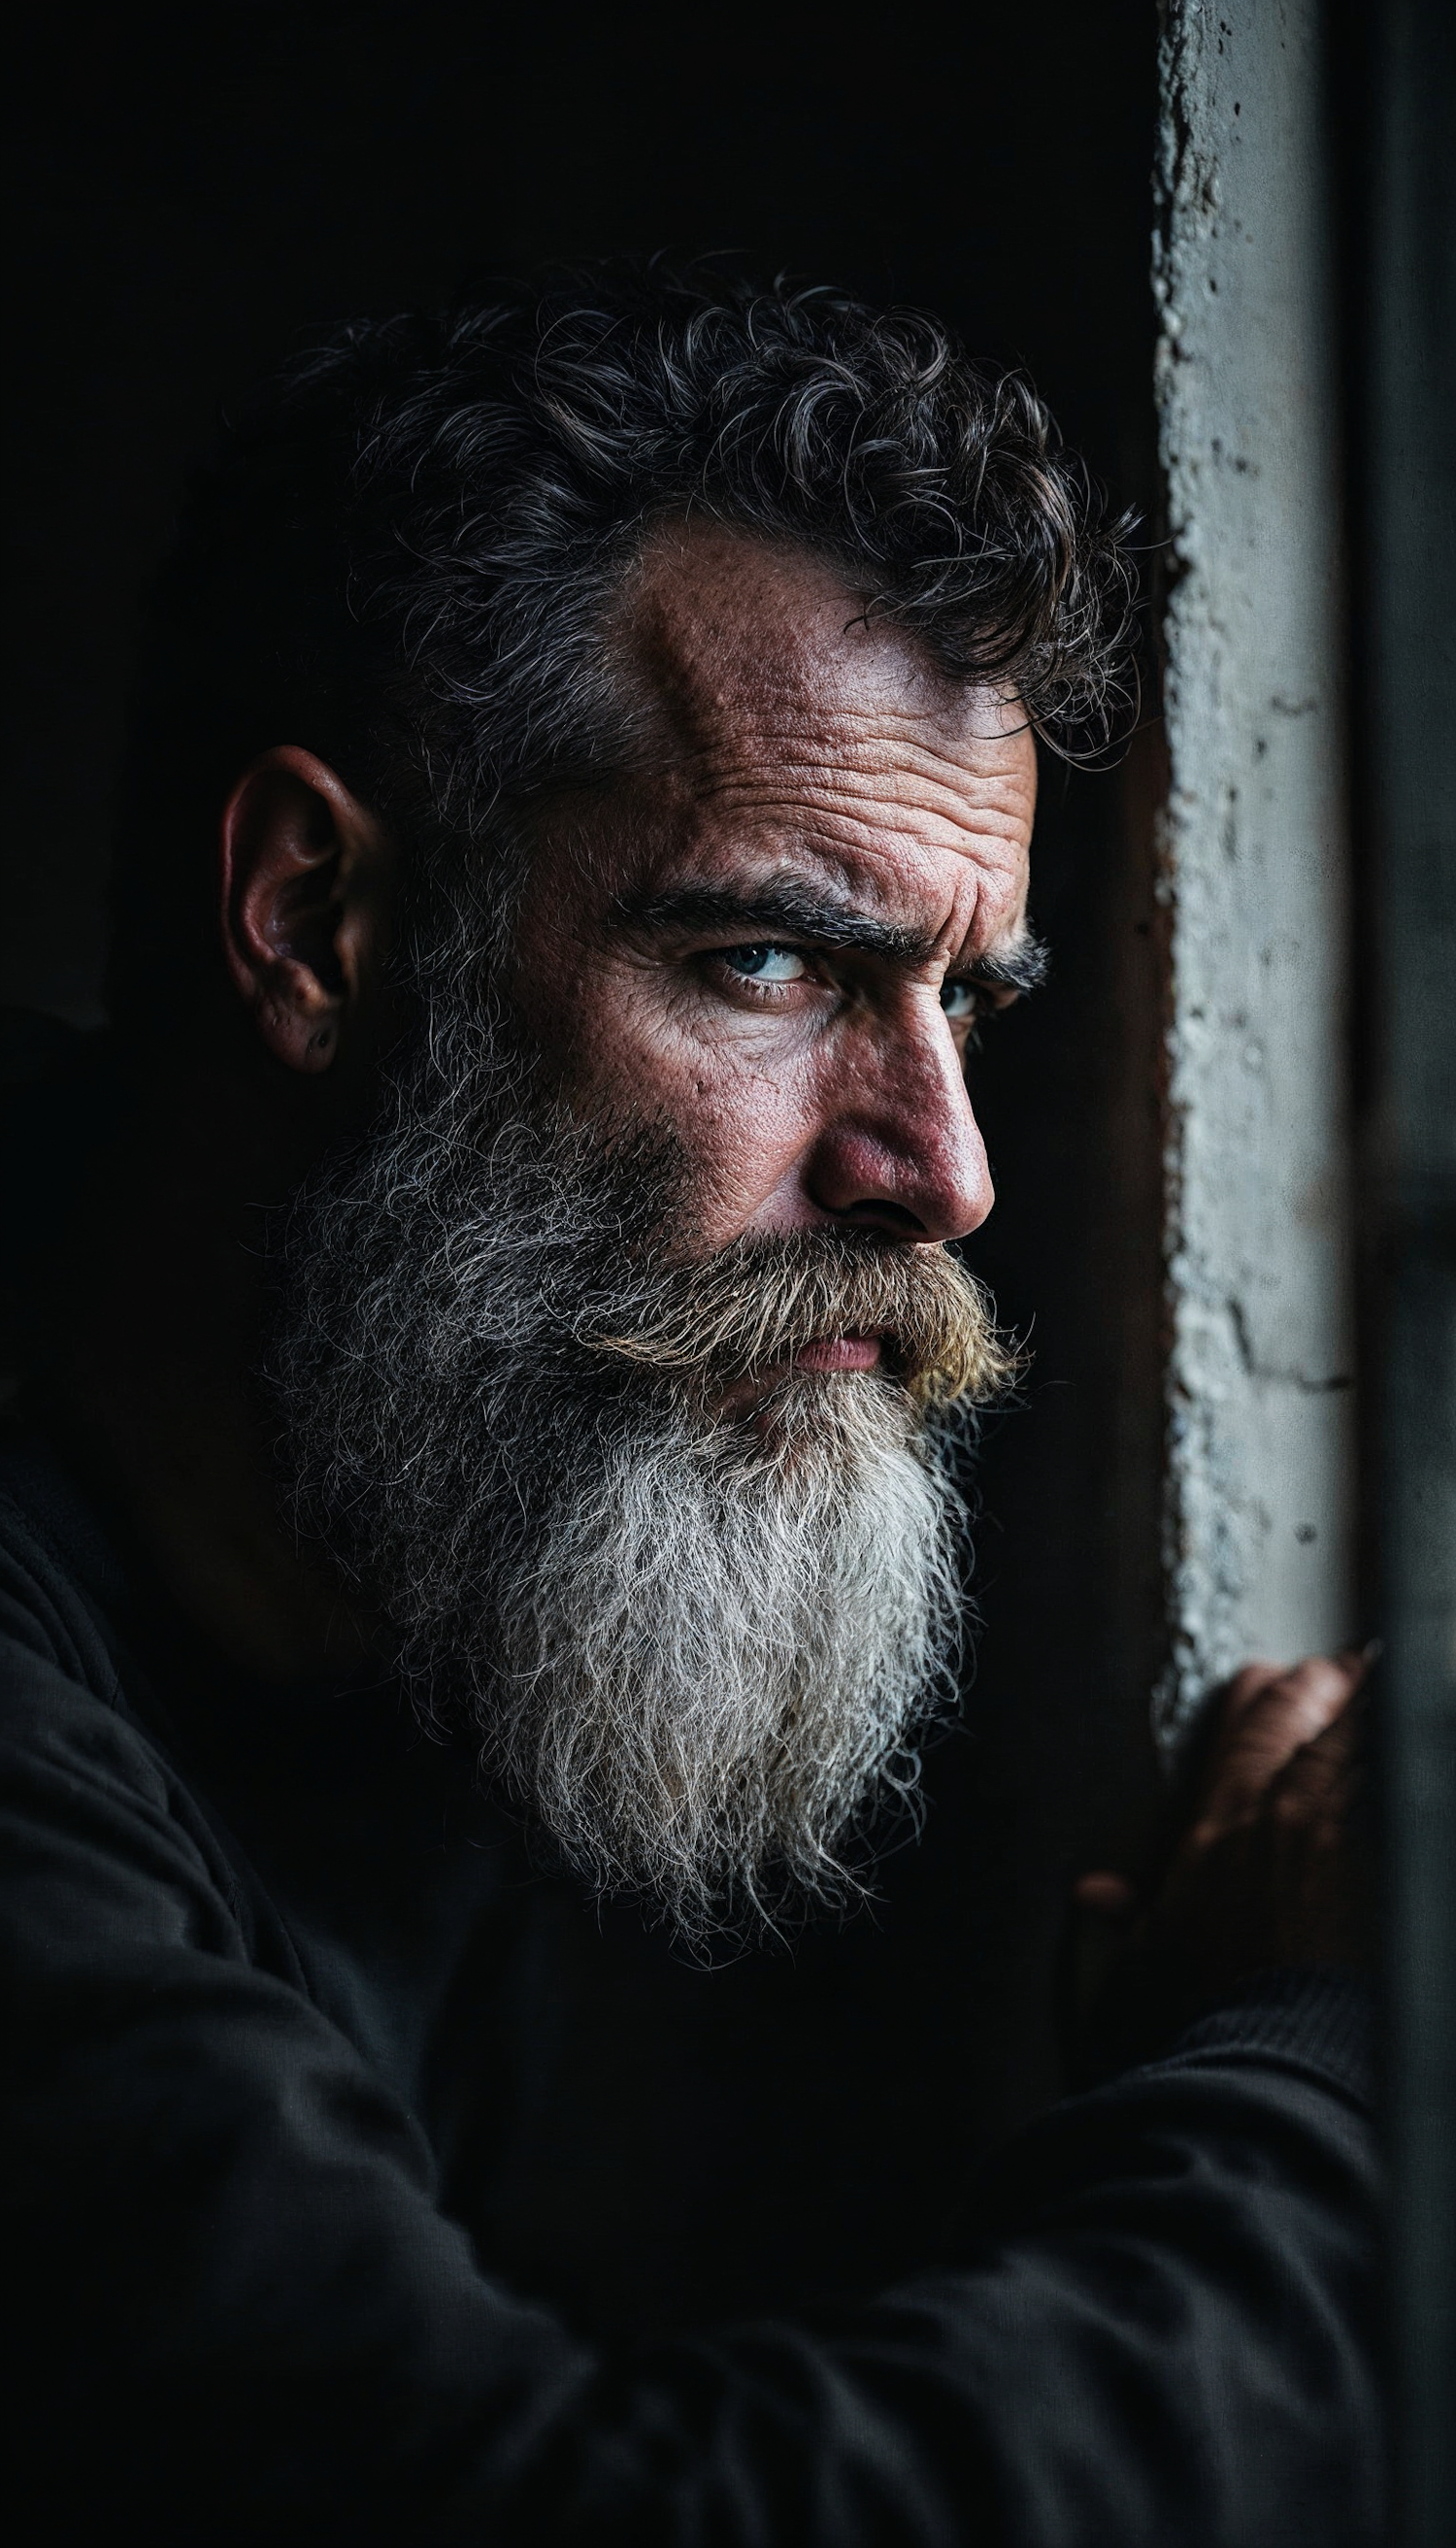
(740, 1115)
(743, 1131)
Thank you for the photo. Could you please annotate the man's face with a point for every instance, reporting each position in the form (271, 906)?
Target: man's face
(619, 1381)
(777, 945)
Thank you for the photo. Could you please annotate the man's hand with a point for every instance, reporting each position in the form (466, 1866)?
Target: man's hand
(1262, 1870)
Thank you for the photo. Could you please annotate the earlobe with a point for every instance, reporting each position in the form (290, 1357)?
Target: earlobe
(296, 1017)
(301, 881)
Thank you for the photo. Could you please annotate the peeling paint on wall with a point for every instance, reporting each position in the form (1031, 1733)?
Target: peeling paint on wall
(1253, 858)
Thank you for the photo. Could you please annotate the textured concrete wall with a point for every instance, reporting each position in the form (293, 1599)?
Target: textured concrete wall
(1259, 1515)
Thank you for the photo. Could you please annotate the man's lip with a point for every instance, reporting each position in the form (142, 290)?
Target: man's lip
(839, 1354)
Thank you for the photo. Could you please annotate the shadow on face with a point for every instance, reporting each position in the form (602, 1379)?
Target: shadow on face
(778, 939)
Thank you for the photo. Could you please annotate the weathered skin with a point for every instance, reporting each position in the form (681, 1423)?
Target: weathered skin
(789, 747)
(800, 748)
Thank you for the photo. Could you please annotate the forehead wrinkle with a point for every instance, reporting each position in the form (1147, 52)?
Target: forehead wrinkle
(893, 896)
(845, 778)
(863, 855)
(805, 742)
(874, 741)
(830, 802)
(740, 642)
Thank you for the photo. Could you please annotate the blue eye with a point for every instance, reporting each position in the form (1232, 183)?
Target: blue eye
(959, 1000)
(767, 963)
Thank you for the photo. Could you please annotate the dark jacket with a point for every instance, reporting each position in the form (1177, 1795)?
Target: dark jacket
(283, 2132)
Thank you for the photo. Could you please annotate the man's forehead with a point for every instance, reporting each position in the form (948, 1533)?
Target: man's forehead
(733, 635)
(803, 746)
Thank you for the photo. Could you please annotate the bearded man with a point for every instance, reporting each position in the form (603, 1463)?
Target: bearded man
(580, 808)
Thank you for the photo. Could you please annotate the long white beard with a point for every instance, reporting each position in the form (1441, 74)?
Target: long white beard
(718, 1644)
(696, 1647)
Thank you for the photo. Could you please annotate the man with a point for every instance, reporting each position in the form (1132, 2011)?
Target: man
(580, 811)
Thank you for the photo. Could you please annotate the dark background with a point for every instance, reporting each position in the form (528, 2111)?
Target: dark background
(194, 193)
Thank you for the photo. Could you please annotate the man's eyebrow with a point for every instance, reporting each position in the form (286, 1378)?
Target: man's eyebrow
(776, 910)
(819, 921)
(1022, 967)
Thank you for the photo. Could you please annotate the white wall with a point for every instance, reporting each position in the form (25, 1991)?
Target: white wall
(1254, 853)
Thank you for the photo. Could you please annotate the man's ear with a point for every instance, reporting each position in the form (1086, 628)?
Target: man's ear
(304, 874)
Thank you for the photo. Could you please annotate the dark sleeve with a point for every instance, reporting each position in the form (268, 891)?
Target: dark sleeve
(239, 2315)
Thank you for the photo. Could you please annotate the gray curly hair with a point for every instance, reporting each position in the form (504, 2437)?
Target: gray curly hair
(407, 551)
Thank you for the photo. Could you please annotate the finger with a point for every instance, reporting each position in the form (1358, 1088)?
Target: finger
(1257, 1680)
(1202, 1759)
(1291, 1711)
(1320, 1777)
(1261, 1683)
(1247, 1684)
(1296, 1706)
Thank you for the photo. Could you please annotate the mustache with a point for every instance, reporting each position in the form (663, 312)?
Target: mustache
(761, 1301)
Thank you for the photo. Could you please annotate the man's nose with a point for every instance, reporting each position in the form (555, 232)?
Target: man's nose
(902, 1149)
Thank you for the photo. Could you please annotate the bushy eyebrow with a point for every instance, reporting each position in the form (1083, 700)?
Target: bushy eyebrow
(1020, 968)
(785, 911)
